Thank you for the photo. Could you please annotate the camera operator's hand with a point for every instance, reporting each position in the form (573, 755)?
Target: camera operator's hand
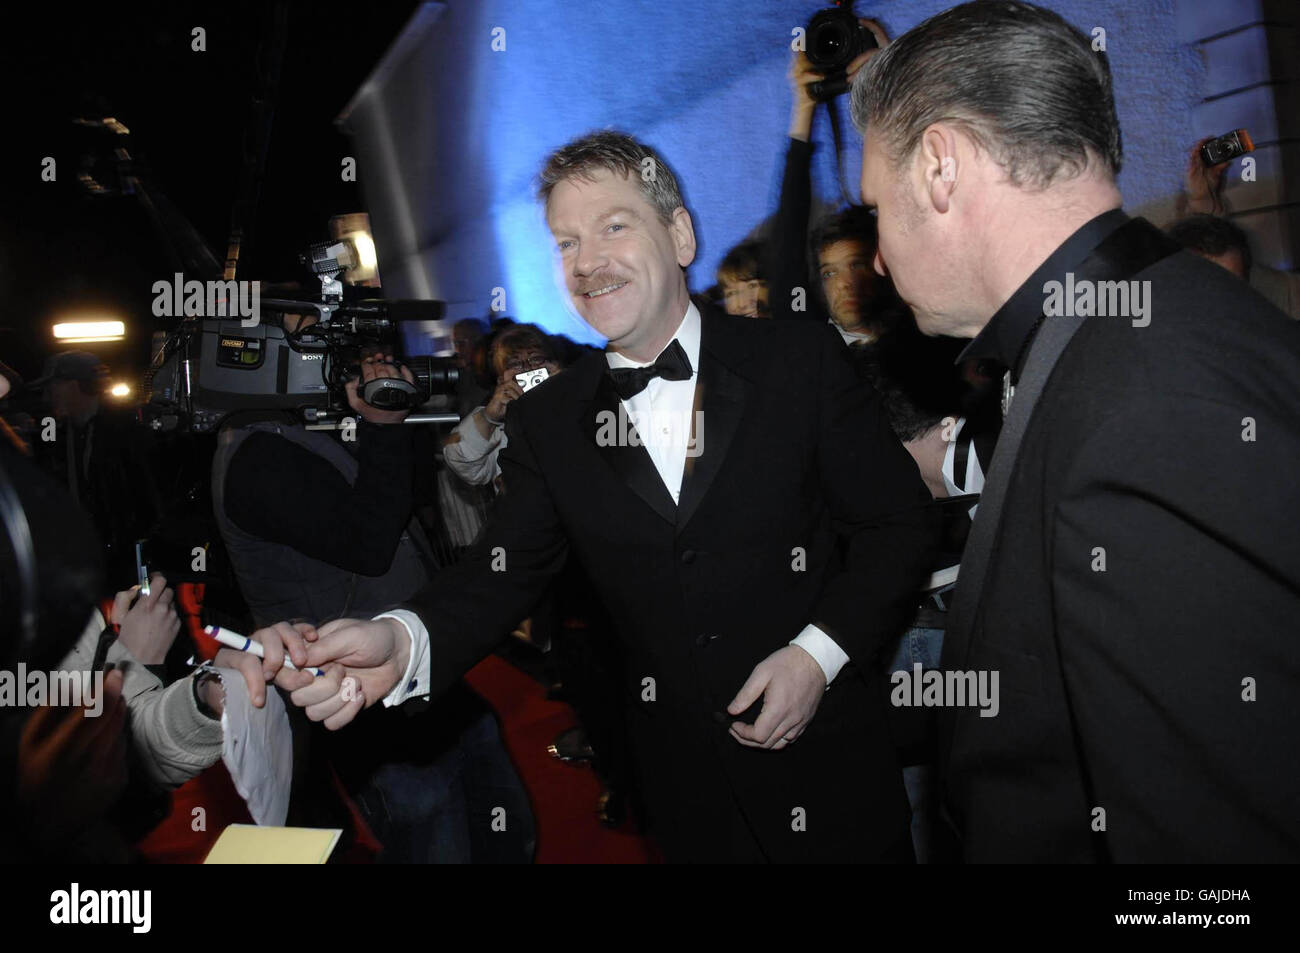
(148, 628)
(802, 75)
(374, 366)
(1203, 186)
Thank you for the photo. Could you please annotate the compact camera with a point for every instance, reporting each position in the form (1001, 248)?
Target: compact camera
(530, 379)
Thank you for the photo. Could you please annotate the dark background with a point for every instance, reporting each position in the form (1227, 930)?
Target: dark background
(192, 119)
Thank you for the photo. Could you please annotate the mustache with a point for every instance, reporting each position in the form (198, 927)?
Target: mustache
(595, 284)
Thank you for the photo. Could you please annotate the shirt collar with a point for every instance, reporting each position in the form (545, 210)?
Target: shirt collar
(1004, 338)
(852, 337)
(688, 335)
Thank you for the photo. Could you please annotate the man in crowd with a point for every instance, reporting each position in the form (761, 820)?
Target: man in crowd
(1214, 239)
(319, 527)
(1125, 574)
(103, 456)
(757, 558)
(857, 299)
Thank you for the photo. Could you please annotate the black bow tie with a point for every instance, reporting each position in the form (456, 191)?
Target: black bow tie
(671, 365)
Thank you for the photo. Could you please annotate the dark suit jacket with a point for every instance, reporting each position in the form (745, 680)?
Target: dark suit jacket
(1122, 688)
(802, 508)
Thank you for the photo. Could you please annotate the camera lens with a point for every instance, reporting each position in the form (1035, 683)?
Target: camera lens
(435, 375)
(835, 39)
(827, 46)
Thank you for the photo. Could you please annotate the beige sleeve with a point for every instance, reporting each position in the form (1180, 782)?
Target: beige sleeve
(172, 738)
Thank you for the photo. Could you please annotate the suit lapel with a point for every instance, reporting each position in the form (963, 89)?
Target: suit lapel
(719, 405)
(608, 427)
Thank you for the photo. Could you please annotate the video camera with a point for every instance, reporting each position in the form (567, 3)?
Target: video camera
(210, 367)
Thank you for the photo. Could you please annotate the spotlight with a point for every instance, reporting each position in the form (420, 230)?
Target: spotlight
(354, 229)
(84, 332)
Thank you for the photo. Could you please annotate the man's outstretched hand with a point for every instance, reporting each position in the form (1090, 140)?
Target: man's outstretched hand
(362, 659)
(791, 684)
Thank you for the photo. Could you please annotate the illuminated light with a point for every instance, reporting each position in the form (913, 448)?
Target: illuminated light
(84, 331)
(354, 229)
(120, 390)
(365, 249)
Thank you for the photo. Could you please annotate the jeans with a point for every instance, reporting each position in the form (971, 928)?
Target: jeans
(466, 806)
(922, 645)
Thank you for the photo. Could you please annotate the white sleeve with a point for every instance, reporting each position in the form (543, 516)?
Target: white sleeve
(414, 682)
(822, 648)
(473, 458)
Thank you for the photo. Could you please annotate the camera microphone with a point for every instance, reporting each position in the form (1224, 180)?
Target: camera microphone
(395, 309)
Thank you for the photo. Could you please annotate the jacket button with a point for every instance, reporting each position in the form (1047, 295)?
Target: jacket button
(688, 556)
(722, 718)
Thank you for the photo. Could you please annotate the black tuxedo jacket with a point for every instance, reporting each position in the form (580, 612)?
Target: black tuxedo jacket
(802, 508)
(1142, 596)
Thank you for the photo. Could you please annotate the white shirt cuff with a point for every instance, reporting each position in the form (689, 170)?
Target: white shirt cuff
(414, 682)
(822, 648)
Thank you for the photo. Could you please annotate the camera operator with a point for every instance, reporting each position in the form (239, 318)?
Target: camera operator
(860, 303)
(318, 528)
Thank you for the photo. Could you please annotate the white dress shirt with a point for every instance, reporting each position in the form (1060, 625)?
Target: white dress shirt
(972, 479)
(662, 412)
(662, 415)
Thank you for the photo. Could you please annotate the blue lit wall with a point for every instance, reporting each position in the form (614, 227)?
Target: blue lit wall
(451, 141)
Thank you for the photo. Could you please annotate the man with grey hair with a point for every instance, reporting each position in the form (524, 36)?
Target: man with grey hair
(1125, 575)
(744, 513)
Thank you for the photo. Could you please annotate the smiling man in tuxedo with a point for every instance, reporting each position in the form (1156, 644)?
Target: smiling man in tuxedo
(756, 540)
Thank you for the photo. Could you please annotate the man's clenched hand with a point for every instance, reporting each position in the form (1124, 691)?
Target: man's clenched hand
(791, 684)
(363, 661)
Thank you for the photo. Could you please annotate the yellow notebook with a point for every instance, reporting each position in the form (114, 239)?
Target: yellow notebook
(251, 844)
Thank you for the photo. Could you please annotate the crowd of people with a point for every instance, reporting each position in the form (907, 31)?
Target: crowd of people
(862, 458)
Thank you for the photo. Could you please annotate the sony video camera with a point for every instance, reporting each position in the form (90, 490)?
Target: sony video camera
(298, 356)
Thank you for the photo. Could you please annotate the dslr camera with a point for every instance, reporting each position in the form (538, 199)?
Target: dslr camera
(834, 38)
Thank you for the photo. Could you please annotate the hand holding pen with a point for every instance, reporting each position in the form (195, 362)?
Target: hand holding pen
(270, 657)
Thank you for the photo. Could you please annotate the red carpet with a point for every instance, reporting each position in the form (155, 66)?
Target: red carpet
(563, 795)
